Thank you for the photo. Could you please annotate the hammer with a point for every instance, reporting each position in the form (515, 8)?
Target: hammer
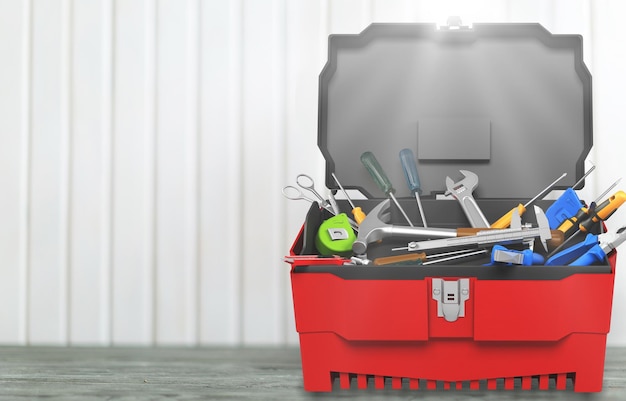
(375, 227)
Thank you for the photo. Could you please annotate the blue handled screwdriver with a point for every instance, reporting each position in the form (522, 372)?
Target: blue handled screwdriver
(412, 179)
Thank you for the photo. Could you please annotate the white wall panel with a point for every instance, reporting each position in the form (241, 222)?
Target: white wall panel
(48, 230)
(392, 11)
(133, 155)
(89, 223)
(220, 160)
(348, 16)
(14, 168)
(176, 171)
(145, 143)
(263, 160)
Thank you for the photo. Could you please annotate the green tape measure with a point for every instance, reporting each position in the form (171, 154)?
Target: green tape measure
(335, 236)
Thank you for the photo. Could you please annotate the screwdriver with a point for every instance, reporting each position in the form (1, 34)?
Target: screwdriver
(598, 213)
(412, 179)
(380, 178)
(567, 204)
(569, 225)
(603, 211)
(357, 212)
(505, 221)
(421, 257)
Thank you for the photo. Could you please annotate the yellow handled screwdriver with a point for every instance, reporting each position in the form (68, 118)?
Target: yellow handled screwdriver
(357, 212)
(569, 225)
(505, 221)
(603, 211)
(596, 214)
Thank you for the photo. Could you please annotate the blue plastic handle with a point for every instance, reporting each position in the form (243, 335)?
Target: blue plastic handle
(595, 254)
(529, 257)
(410, 170)
(564, 257)
(532, 258)
(565, 207)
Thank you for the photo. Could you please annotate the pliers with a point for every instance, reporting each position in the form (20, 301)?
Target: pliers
(593, 249)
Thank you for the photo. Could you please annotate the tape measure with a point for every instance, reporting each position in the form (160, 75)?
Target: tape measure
(335, 236)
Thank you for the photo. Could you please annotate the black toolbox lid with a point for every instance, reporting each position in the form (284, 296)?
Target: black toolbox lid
(509, 102)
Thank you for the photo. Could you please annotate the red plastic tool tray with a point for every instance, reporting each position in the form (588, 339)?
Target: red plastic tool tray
(401, 85)
(374, 332)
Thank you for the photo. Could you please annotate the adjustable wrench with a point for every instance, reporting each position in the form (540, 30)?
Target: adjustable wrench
(462, 191)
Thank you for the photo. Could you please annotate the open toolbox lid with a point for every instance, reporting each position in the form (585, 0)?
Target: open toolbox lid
(509, 102)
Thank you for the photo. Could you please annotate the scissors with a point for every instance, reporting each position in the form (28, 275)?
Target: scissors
(306, 182)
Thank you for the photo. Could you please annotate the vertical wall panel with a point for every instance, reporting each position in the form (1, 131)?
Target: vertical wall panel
(108, 32)
(88, 314)
(133, 175)
(47, 309)
(261, 174)
(176, 196)
(220, 185)
(391, 11)
(349, 16)
(531, 11)
(14, 136)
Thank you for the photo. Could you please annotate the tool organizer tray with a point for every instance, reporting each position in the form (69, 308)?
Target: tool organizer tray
(484, 99)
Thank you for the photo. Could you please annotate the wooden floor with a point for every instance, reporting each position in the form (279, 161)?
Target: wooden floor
(28, 373)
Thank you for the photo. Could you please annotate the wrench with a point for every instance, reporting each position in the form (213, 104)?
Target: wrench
(462, 191)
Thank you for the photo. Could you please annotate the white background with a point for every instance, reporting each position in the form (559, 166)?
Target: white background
(143, 146)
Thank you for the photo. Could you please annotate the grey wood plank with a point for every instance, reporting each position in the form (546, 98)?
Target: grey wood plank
(83, 373)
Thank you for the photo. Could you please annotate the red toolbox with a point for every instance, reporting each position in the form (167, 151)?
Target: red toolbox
(509, 102)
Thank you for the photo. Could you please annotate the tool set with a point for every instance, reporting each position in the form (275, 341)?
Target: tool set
(458, 279)
(338, 235)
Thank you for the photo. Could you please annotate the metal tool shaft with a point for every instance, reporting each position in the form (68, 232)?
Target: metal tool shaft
(490, 237)
(483, 238)
(421, 209)
(545, 191)
(393, 197)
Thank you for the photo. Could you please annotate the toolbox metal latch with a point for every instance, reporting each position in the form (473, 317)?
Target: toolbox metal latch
(451, 296)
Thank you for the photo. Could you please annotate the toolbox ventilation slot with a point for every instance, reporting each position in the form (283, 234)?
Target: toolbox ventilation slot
(556, 381)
